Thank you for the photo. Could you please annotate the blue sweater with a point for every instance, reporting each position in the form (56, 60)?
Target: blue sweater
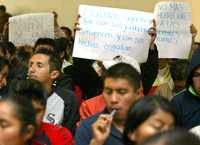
(84, 133)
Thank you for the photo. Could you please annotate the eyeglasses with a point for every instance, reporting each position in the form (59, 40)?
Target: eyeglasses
(196, 74)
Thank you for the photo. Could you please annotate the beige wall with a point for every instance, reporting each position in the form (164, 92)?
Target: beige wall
(195, 16)
(67, 9)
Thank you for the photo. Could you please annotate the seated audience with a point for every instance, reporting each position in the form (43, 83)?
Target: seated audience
(187, 102)
(46, 133)
(61, 107)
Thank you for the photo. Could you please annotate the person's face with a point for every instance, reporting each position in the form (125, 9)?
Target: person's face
(158, 122)
(119, 95)
(40, 110)
(10, 126)
(196, 80)
(39, 68)
(3, 76)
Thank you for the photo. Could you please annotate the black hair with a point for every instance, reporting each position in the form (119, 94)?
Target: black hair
(31, 89)
(44, 41)
(173, 137)
(63, 45)
(178, 69)
(197, 43)
(189, 80)
(193, 66)
(124, 71)
(3, 49)
(3, 8)
(7, 48)
(11, 48)
(54, 61)
(23, 55)
(141, 110)
(23, 109)
(69, 31)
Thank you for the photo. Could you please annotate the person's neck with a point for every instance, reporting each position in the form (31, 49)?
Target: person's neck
(119, 125)
(48, 89)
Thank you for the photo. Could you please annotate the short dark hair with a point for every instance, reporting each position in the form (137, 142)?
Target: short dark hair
(69, 31)
(23, 109)
(142, 109)
(61, 45)
(31, 89)
(178, 69)
(3, 8)
(124, 71)
(197, 43)
(11, 48)
(3, 48)
(23, 55)
(54, 61)
(44, 41)
(7, 47)
(173, 137)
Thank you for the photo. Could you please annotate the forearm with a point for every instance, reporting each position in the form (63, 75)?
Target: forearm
(149, 70)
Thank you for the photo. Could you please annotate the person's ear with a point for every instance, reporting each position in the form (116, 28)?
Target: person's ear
(28, 133)
(132, 136)
(54, 74)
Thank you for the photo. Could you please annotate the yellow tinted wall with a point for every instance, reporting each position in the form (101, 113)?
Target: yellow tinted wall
(67, 9)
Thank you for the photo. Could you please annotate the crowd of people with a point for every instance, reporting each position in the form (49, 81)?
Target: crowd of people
(48, 97)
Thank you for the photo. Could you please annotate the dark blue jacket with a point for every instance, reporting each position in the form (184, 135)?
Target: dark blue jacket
(84, 133)
(188, 105)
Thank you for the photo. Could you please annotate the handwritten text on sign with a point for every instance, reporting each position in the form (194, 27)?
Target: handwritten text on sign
(26, 29)
(108, 32)
(173, 28)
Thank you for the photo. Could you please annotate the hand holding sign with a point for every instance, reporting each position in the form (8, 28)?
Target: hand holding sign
(108, 32)
(76, 26)
(152, 32)
(193, 31)
(173, 22)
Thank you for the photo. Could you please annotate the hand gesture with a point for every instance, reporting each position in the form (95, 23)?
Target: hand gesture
(152, 32)
(76, 26)
(193, 31)
(101, 129)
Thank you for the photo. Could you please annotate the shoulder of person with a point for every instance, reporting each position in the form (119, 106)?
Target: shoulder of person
(90, 120)
(180, 97)
(63, 93)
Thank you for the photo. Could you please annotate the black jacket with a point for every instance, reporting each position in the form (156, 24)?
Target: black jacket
(62, 109)
(186, 103)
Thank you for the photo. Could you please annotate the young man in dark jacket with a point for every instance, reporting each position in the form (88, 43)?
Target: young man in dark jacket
(187, 102)
(61, 107)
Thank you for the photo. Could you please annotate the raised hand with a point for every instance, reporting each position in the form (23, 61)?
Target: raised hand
(152, 32)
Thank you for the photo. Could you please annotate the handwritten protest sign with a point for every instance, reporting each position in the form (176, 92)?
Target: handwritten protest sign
(26, 29)
(108, 32)
(173, 29)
